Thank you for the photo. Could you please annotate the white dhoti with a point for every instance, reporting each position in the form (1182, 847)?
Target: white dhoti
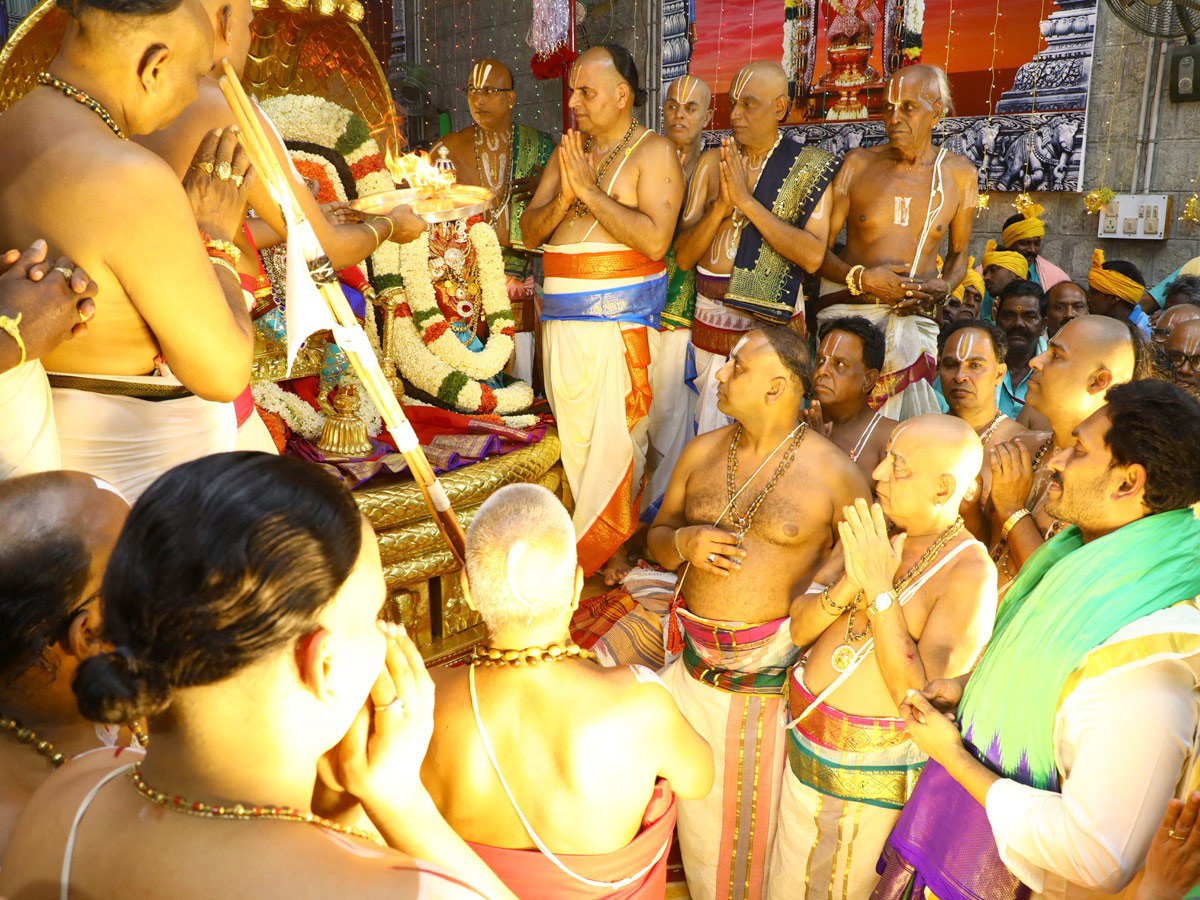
(28, 440)
(846, 779)
(129, 441)
(599, 310)
(716, 329)
(522, 362)
(905, 389)
(671, 410)
(728, 683)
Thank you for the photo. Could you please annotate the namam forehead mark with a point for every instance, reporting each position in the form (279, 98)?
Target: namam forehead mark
(834, 344)
(479, 73)
(683, 88)
(969, 345)
(744, 77)
(737, 348)
(1191, 340)
(906, 86)
(891, 444)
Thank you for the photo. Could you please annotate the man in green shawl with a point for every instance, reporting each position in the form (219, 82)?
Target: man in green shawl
(1079, 722)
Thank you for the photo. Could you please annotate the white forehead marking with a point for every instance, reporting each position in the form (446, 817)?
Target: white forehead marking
(739, 345)
(690, 83)
(743, 80)
(833, 341)
(965, 347)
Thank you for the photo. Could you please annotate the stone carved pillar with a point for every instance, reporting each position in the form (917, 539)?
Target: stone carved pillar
(1057, 78)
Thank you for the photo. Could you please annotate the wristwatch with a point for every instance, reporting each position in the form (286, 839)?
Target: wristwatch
(882, 601)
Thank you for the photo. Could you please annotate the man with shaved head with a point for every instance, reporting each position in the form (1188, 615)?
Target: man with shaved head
(57, 531)
(1170, 318)
(1183, 348)
(579, 758)
(508, 159)
(750, 515)
(1084, 359)
(755, 221)
(899, 202)
(1052, 758)
(896, 613)
(127, 68)
(606, 210)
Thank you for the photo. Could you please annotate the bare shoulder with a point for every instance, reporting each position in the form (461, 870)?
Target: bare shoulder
(961, 166)
(637, 693)
(971, 568)
(1011, 430)
(837, 469)
(459, 143)
(1032, 440)
(702, 446)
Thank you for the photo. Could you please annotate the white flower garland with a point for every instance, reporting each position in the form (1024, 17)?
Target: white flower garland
(914, 17)
(493, 289)
(299, 416)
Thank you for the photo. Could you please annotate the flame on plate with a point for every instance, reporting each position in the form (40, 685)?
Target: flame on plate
(417, 170)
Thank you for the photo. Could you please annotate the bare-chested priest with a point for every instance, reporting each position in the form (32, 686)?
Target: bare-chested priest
(124, 217)
(513, 766)
(849, 360)
(755, 221)
(899, 202)
(750, 515)
(508, 159)
(606, 210)
(898, 612)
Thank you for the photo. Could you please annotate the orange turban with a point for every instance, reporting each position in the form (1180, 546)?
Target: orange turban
(1109, 282)
(971, 279)
(1030, 227)
(1006, 259)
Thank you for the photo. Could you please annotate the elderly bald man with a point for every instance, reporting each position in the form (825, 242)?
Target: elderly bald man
(749, 261)
(894, 614)
(899, 202)
(1084, 359)
(57, 531)
(566, 755)
(1183, 348)
(1171, 317)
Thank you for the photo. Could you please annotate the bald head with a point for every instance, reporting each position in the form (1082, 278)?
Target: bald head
(1183, 347)
(947, 445)
(1177, 315)
(492, 73)
(521, 560)
(929, 80)
(1103, 342)
(689, 89)
(762, 78)
(57, 531)
(931, 463)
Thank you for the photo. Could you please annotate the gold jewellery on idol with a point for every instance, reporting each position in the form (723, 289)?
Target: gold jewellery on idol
(742, 521)
(531, 656)
(240, 812)
(80, 97)
(844, 655)
(580, 207)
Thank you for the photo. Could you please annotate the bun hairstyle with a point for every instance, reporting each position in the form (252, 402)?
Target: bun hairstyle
(627, 69)
(222, 561)
(121, 7)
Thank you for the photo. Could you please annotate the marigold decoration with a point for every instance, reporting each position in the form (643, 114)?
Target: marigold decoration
(1191, 210)
(428, 352)
(1098, 199)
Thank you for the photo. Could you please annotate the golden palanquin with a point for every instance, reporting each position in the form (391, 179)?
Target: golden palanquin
(315, 47)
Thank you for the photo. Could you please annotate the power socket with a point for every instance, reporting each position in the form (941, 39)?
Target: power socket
(1109, 225)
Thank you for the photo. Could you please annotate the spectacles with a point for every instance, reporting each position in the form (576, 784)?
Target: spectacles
(486, 91)
(1178, 359)
(1160, 335)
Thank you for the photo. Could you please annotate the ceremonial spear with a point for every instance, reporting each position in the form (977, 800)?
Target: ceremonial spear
(347, 333)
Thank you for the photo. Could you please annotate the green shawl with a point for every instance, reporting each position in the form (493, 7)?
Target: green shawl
(1068, 599)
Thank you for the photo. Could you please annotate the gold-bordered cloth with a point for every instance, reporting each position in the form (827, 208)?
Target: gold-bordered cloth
(861, 759)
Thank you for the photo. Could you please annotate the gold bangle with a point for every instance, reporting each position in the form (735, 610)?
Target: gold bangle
(558, 201)
(380, 241)
(675, 543)
(226, 264)
(855, 289)
(228, 248)
(1011, 521)
(12, 326)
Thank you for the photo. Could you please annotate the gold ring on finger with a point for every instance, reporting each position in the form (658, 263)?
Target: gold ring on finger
(908, 293)
(205, 167)
(237, 180)
(223, 170)
(398, 702)
(1183, 836)
(712, 559)
(64, 271)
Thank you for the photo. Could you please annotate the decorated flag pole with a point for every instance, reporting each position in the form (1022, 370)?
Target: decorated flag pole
(347, 333)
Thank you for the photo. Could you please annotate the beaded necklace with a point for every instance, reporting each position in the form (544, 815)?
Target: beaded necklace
(29, 736)
(492, 656)
(240, 812)
(580, 208)
(844, 655)
(742, 521)
(986, 434)
(81, 97)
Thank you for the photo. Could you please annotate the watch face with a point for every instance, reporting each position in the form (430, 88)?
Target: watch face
(882, 601)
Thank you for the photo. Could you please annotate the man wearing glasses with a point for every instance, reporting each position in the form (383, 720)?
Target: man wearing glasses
(507, 159)
(1170, 319)
(1183, 347)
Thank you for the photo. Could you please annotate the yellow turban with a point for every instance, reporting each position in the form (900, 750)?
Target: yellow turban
(1109, 282)
(971, 279)
(1030, 227)
(1006, 259)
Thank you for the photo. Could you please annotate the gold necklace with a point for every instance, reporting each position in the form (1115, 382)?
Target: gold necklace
(240, 812)
(742, 521)
(29, 736)
(492, 656)
(844, 655)
(991, 427)
(81, 97)
(580, 208)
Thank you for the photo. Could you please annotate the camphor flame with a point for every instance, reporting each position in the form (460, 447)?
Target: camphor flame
(417, 170)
